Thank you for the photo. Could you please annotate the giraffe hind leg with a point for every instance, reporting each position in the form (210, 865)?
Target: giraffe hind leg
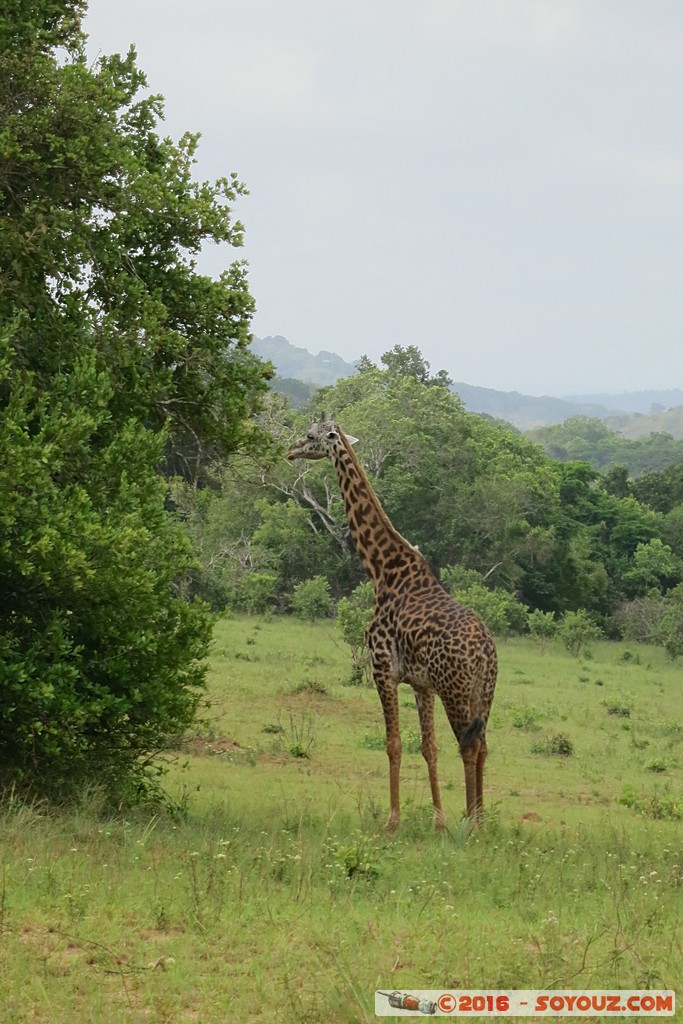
(473, 753)
(425, 709)
(481, 760)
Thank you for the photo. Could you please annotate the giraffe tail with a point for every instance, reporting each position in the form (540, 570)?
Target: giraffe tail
(472, 734)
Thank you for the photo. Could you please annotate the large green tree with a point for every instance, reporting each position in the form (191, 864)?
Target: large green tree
(117, 359)
(461, 488)
(102, 221)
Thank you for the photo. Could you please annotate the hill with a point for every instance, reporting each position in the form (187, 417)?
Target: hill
(634, 401)
(292, 361)
(525, 411)
(299, 372)
(635, 425)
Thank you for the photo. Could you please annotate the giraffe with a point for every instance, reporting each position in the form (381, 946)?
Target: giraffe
(418, 635)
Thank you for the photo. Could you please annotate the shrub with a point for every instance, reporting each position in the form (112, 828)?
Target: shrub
(257, 592)
(542, 626)
(618, 709)
(664, 807)
(100, 662)
(671, 627)
(497, 608)
(641, 619)
(554, 746)
(576, 630)
(354, 615)
(311, 599)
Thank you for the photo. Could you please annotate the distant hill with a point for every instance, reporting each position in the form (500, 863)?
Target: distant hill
(634, 425)
(291, 361)
(299, 372)
(525, 411)
(634, 401)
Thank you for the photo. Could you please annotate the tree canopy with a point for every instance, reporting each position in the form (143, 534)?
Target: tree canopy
(117, 359)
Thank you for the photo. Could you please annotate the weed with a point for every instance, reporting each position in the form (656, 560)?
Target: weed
(639, 742)
(527, 719)
(374, 741)
(313, 686)
(358, 858)
(357, 678)
(658, 765)
(554, 746)
(310, 661)
(661, 807)
(411, 742)
(300, 737)
(618, 709)
(675, 731)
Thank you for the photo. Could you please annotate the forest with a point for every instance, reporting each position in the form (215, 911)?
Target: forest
(510, 529)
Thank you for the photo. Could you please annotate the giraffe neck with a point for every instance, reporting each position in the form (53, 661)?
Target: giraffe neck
(380, 546)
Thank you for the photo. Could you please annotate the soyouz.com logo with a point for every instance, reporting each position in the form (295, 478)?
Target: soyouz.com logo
(520, 1003)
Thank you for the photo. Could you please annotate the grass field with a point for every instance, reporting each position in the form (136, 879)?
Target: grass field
(277, 896)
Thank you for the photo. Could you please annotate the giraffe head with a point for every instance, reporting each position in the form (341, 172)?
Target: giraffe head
(319, 441)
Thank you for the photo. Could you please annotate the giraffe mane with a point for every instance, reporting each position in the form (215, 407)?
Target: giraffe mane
(383, 516)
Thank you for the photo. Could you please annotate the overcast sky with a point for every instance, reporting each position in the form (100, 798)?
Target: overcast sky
(499, 182)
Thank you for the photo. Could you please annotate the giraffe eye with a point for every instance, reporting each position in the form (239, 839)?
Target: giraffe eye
(310, 437)
(331, 436)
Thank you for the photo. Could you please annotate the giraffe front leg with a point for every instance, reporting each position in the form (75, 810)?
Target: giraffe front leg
(425, 709)
(387, 687)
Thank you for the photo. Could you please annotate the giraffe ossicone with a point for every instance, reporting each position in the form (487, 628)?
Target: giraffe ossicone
(418, 634)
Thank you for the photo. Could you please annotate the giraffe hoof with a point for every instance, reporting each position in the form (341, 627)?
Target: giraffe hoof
(392, 823)
(439, 821)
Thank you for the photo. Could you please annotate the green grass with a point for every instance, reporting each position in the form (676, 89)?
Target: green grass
(278, 897)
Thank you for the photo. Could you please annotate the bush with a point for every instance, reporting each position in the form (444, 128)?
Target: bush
(576, 630)
(661, 807)
(641, 619)
(257, 592)
(100, 662)
(554, 746)
(542, 626)
(670, 633)
(312, 600)
(498, 609)
(354, 615)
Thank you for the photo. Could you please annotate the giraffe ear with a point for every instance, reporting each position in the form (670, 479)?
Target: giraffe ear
(351, 439)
